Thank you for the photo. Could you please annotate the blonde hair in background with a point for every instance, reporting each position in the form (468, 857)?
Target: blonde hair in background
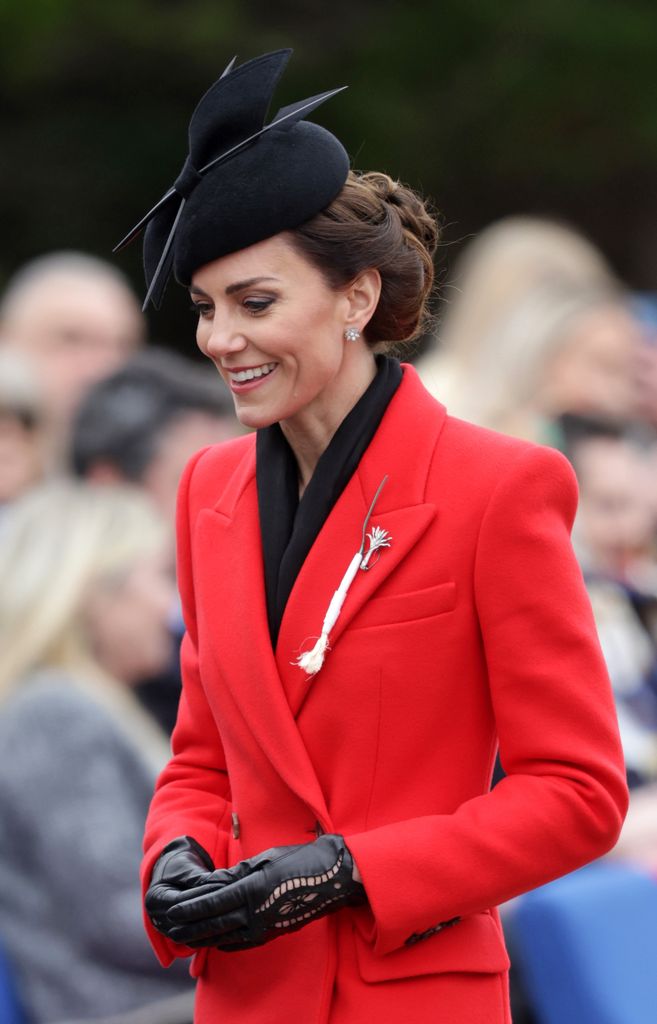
(516, 288)
(54, 543)
(498, 388)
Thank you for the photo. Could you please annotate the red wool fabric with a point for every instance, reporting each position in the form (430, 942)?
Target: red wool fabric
(472, 629)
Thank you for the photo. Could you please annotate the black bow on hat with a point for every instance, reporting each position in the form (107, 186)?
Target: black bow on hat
(243, 180)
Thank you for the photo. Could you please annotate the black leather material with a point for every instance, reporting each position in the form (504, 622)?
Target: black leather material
(182, 867)
(260, 899)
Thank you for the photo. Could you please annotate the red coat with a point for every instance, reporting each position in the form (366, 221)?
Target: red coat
(472, 628)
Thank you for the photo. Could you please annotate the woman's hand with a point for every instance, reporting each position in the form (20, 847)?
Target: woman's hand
(182, 866)
(276, 892)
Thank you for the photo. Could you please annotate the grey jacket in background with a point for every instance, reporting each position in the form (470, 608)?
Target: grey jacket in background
(75, 785)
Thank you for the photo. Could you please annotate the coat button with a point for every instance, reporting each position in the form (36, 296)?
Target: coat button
(236, 825)
(419, 936)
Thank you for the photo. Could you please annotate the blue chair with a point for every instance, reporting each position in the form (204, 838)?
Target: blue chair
(586, 946)
(10, 1010)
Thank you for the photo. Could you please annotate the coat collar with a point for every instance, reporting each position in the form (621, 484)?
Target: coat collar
(268, 688)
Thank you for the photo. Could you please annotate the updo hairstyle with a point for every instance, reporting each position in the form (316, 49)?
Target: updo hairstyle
(376, 222)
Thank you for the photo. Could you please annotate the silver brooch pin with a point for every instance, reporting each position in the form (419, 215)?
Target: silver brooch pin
(378, 538)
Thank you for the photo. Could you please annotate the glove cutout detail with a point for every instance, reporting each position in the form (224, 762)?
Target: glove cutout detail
(301, 904)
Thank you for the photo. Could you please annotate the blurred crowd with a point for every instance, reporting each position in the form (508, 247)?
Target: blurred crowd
(538, 338)
(96, 426)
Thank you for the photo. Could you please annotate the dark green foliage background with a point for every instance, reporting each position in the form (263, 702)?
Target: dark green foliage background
(490, 106)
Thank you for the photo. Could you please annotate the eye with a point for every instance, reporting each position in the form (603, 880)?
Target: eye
(255, 305)
(202, 309)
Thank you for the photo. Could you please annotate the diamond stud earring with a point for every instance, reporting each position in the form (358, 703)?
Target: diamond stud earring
(351, 334)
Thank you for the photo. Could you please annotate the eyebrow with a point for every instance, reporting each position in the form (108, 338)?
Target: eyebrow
(237, 287)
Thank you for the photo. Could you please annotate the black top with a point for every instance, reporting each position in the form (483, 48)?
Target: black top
(289, 526)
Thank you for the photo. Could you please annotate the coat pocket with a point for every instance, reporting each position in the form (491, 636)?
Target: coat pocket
(474, 945)
(407, 607)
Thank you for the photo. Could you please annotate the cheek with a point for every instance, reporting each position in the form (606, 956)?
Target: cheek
(321, 354)
(202, 335)
(145, 641)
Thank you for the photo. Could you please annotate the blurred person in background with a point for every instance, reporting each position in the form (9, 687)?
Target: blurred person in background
(22, 443)
(614, 538)
(644, 306)
(503, 262)
(539, 327)
(614, 534)
(139, 427)
(85, 595)
(142, 423)
(76, 319)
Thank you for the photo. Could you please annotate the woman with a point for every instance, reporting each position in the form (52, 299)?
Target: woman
(539, 327)
(374, 595)
(614, 540)
(83, 607)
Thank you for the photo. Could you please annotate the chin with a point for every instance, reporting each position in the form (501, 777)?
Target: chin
(256, 417)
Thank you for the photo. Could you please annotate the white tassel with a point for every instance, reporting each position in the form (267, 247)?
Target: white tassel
(312, 661)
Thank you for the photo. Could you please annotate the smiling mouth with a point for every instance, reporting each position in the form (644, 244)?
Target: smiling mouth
(242, 376)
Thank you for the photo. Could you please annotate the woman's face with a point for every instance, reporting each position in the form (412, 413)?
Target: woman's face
(127, 618)
(275, 331)
(593, 372)
(615, 518)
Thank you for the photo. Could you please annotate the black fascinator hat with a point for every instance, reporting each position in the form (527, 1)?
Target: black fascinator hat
(243, 180)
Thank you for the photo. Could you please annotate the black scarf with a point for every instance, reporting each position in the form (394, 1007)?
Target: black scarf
(289, 526)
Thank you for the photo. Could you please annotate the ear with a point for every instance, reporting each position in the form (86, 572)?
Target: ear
(362, 297)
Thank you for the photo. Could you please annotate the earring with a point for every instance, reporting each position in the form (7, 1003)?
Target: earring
(351, 334)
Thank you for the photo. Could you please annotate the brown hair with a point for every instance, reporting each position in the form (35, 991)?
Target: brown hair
(376, 222)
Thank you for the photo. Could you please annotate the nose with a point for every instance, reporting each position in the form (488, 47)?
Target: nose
(220, 338)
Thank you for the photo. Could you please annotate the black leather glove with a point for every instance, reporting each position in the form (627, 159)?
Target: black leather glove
(181, 868)
(276, 892)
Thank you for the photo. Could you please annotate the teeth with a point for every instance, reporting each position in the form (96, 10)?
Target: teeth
(258, 371)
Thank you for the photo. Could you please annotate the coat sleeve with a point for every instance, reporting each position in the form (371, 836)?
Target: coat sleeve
(564, 796)
(192, 795)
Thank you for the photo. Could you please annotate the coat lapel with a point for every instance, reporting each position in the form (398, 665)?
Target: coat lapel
(229, 537)
(400, 509)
